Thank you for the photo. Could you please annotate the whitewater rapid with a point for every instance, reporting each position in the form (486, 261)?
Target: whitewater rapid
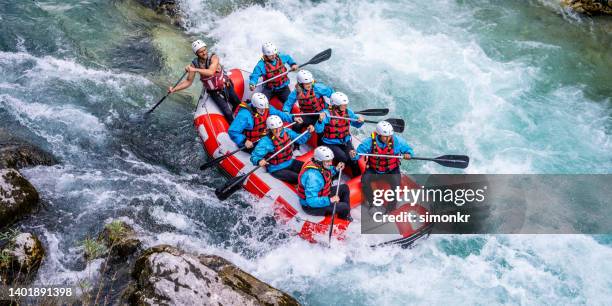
(464, 86)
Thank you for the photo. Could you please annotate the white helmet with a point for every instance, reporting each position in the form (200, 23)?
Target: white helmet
(384, 128)
(339, 98)
(323, 153)
(259, 100)
(304, 76)
(197, 45)
(269, 49)
(274, 122)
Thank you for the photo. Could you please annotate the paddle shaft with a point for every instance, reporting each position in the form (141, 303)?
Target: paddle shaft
(333, 217)
(365, 112)
(276, 77)
(164, 97)
(397, 126)
(221, 158)
(351, 119)
(415, 158)
(322, 56)
(381, 155)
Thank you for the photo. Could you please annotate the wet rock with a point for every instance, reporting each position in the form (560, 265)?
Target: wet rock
(165, 275)
(165, 7)
(17, 196)
(15, 153)
(589, 7)
(20, 259)
(120, 238)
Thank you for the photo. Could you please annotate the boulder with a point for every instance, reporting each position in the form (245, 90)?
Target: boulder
(165, 275)
(17, 154)
(17, 196)
(589, 7)
(20, 259)
(120, 238)
(166, 7)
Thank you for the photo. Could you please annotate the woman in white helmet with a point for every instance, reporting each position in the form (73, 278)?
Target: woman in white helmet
(218, 86)
(250, 123)
(272, 64)
(383, 142)
(336, 132)
(309, 96)
(315, 190)
(283, 166)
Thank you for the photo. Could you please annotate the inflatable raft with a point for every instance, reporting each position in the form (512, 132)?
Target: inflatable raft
(212, 129)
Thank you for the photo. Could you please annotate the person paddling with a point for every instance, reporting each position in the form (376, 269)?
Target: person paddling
(283, 166)
(250, 123)
(216, 83)
(383, 142)
(336, 131)
(309, 96)
(272, 64)
(315, 186)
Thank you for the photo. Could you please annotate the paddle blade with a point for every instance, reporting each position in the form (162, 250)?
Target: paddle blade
(321, 57)
(398, 124)
(155, 106)
(230, 187)
(453, 161)
(374, 112)
(211, 163)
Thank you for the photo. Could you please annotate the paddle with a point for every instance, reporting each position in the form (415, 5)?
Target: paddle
(223, 157)
(365, 112)
(321, 57)
(219, 159)
(333, 217)
(235, 183)
(164, 97)
(374, 112)
(451, 161)
(398, 124)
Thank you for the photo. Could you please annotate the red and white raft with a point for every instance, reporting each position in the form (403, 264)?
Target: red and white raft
(212, 129)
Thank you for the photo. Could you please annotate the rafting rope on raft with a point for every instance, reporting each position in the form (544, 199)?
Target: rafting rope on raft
(210, 121)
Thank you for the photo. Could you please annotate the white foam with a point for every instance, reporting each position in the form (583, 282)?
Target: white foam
(458, 100)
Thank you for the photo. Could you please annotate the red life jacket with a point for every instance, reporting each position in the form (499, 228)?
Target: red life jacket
(382, 164)
(279, 143)
(337, 128)
(327, 176)
(274, 70)
(259, 122)
(308, 101)
(214, 82)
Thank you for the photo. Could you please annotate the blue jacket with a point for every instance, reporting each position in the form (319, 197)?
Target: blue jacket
(320, 126)
(265, 146)
(260, 69)
(400, 147)
(319, 90)
(312, 180)
(244, 121)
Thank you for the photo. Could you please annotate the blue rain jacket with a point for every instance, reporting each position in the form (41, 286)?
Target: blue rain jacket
(265, 146)
(244, 121)
(320, 126)
(319, 90)
(260, 69)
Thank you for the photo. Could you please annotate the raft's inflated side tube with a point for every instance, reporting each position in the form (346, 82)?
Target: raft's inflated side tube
(212, 129)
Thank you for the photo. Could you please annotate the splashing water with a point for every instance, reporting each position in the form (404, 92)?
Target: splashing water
(486, 80)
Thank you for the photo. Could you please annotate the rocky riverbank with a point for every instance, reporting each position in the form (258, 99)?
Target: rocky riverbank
(589, 7)
(167, 275)
(20, 253)
(17, 195)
